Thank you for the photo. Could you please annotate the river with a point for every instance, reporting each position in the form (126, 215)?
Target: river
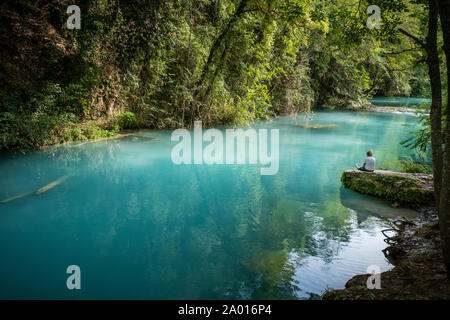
(141, 227)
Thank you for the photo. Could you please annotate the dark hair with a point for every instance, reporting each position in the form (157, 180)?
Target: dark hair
(369, 153)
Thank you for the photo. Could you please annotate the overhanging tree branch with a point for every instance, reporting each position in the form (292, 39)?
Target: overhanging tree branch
(401, 51)
(417, 40)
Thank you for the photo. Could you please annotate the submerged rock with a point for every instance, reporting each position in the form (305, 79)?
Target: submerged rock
(317, 126)
(404, 188)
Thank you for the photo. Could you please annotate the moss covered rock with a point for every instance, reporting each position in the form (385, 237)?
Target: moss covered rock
(404, 188)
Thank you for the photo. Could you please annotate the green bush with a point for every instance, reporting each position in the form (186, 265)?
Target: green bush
(415, 167)
(408, 166)
(24, 132)
(127, 120)
(81, 132)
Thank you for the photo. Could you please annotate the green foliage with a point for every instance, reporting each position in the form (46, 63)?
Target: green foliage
(27, 132)
(127, 120)
(168, 63)
(420, 139)
(82, 132)
(415, 167)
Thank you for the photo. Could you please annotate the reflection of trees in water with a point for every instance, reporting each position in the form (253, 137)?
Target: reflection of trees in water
(273, 228)
(93, 154)
(190, 236)
(191, 231)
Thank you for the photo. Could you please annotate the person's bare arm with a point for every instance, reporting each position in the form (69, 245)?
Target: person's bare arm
(364, 165)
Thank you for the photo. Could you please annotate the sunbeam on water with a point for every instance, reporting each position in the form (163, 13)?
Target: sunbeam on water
(141, 227)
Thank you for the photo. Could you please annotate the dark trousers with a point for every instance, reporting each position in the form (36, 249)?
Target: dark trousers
(364, 169)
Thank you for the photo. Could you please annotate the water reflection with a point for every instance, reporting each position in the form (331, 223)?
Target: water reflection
(366, 206)
(141, 227)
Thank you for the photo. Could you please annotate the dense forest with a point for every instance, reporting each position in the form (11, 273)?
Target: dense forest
(164, 64)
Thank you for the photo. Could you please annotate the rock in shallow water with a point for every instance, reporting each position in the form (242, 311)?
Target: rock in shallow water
(405, 188)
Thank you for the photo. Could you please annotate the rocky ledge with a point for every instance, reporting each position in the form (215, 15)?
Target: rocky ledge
(399, 188)
(419, 271)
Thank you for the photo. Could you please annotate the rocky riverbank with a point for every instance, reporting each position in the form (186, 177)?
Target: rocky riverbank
(414, 245)
(419, 272)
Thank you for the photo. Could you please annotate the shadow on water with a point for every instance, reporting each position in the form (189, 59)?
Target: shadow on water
(366, 206)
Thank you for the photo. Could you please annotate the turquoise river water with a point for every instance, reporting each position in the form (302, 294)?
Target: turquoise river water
(399, 101)
(141, 227)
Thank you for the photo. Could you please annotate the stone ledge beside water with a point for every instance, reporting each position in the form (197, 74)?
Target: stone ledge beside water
(419, 271)
(403, 188)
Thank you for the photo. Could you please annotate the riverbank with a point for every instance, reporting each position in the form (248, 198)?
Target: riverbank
(419, 271)
(367, 107)
(414, 248)
(109, 128)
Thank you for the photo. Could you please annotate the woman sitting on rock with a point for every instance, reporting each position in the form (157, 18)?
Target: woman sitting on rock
(369, 163)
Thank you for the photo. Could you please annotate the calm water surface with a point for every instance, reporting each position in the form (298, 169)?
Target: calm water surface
(399, 101)
(141, 227)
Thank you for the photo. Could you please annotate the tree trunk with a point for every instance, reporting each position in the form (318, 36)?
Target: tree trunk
(208, 75)
(430, 46)
(444, 208)
(436, 98)
(220, 38)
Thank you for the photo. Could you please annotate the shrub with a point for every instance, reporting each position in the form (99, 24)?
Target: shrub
(127, 120)
(414, 167)
(408, 166)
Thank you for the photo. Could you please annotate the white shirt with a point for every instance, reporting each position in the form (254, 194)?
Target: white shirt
(370, 163)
